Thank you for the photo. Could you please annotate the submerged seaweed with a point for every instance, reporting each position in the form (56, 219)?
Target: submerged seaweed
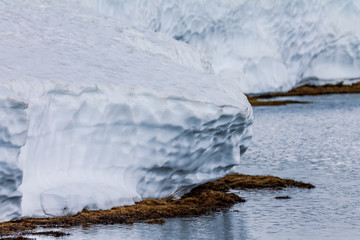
(205, 198)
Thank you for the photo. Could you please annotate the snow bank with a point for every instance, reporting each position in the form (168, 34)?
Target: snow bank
(107, 114)
(263, 45)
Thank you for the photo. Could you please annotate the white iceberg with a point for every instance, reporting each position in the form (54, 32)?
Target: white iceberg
(263, 45)
(95, 114)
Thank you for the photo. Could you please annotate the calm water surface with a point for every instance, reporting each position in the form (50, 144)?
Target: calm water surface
(317, 143)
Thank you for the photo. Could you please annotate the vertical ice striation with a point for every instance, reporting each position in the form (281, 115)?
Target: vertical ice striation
(105, 147)
(13, 130)
(262, 45)
(112, 114)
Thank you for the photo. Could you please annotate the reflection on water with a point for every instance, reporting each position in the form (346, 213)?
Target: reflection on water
(317, 143)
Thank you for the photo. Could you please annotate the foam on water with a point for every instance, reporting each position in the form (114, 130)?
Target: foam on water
(261, 45)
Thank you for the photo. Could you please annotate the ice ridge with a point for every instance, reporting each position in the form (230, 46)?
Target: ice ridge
(263, 45)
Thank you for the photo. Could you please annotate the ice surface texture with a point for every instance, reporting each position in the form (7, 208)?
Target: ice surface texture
(13, 129)
(263, 45)
(104, 115)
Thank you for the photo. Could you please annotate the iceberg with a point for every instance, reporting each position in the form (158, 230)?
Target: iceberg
(96, 114)
(262, 45)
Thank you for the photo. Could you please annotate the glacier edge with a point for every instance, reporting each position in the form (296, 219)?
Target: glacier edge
(97, 127)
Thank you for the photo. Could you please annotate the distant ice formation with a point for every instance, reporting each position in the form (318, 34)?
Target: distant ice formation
(96, 114)
(263, 45)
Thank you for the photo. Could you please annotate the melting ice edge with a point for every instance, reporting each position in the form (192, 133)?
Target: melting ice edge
(105, 117)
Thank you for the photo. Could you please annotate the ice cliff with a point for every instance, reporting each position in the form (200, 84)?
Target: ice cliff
(13, 130)
(264, 45)
(96, 114)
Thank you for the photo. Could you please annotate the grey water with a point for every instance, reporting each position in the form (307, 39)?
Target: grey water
(318, 143)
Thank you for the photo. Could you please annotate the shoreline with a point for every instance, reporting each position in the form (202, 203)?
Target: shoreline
(203, 199)
(305, 90)
(206, 198)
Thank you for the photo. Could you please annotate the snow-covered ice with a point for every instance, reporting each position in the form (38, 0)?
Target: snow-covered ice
(96, 114)
(264, 45)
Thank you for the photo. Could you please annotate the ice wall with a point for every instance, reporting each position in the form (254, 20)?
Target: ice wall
(13, 130)
(113, 114)
(112, 145)
(263, 45)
